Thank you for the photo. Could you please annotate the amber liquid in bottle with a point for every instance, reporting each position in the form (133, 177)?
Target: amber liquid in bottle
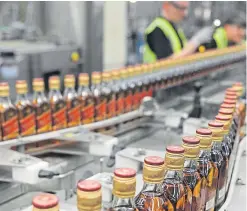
(126, 94)
(42, 107)
(72, 102)
(99, 98)
(110, 94)
(25, 110)
(86, 98)
(58, 104)
(191, 177)
(173, 186)
(8, 115)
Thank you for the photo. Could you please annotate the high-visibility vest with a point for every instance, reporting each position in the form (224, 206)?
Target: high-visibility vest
(220, 38)
(169, 31)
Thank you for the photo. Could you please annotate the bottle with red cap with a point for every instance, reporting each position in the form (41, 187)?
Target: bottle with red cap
(173, 186)
(99, 97)
(25, 110)
(220, 158)
(58, 104)
(72, 101)
(228, 145)
(124, 187)
(191, 176)
(41, 106)
(86, 99)
(207, 170)
(8, 114)
(45, 201)
(89, 195)
(151, 196)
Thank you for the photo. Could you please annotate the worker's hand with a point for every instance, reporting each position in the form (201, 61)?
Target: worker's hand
(204, 35)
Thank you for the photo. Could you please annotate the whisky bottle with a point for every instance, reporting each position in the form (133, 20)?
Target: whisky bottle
(99, 97)
(89, 195)
(8, 114)
(148, 81)
(119, 91)
(108, 91)
(41, 106)
(220, 158)
(140, 86)
(45, 201)
(191, 176)
(127, 102)
(25, 110)
(134, 86)
(86, 97)
(58, 104)
(207, 170)
(173, 186)
(230, 145)
(72, 102)
(124, 185)
(151, 197)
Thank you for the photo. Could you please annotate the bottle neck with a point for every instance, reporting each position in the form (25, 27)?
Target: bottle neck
(21, 97)
(173, 174)
(217, 145)
(149, 187)
(5, 100)
(205, 152)
(123, 202)
(190, 163)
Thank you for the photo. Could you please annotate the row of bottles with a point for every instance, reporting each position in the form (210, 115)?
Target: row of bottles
(110, 95)
(192, 177)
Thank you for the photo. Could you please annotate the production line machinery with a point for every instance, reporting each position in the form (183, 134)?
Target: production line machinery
(82, 153)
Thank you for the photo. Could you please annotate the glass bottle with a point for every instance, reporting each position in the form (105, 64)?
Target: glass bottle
(173, 186)
(151, 197)
(45, 201)
(140, 86)
(99, 97)
(86, 98)
(191, 176)
(8, 114)
(232, 148)
(125, 104)
(89, 195)
(25, 110)
(107, 88)
(41, 106)
(207, 170)
(72, 102)
(149, 86)
(219, 155)
(124, 185)
(58, 104)
(134, 86)
(119, 92)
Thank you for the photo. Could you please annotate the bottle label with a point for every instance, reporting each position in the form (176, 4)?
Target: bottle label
(100, 111)
(210, 204)
(120, 105)
(10, 128)
(111, 108)
(88, 114)
(59, 115)
(136, 100)
(128, 102)
(27, 121)
(73, 108)
(43, 118)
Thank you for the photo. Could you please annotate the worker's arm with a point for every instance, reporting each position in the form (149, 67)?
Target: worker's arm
(205, 35)
(159, 44)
